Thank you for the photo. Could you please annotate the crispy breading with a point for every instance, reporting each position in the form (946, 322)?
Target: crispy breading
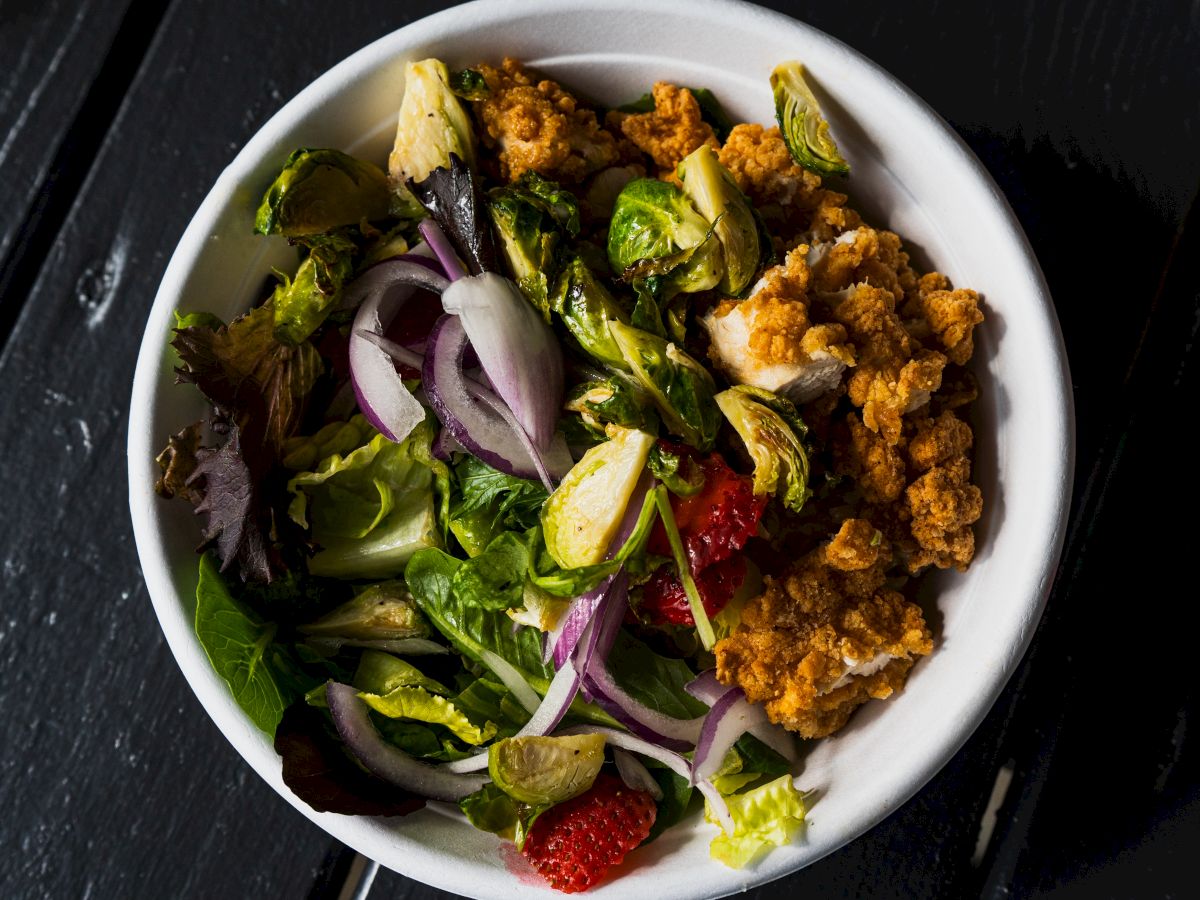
(937, 441)
(943, 504)
(801, 640)
(863, 455)
(865, 255)
(769, 341)
(537, 125)
(894, 375)
(934, 312)
(788, 196)
(670, 131)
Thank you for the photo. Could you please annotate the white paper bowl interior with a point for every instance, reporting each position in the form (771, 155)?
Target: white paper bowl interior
(909, 173)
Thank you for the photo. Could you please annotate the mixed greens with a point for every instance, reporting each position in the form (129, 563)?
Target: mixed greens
(471, 498)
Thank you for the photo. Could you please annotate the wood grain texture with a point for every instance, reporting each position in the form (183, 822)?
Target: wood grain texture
(113, 780)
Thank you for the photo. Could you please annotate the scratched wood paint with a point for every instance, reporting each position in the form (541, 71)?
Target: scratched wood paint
(114, 782)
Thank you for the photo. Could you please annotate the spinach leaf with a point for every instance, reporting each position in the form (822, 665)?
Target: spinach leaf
(470, 627)
(495, 579)
(237, 643)
(656, 681)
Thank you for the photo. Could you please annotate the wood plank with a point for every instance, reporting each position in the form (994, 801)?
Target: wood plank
(58, 95)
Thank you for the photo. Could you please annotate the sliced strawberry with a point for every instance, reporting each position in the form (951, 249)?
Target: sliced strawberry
(665, 602)
(574, 844)
(715, 523)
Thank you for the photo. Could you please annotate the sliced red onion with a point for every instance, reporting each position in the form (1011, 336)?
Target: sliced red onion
(716, 803)
(706, 688)
(378, 388)
(469, 764)
(563, 688)
(727, 721)
(672, 760)
(353, 722)
(408, 271)
(513, 680)
(681, 734)
(634, 774)
(516, 348)
(400, 354)
(444, 445)
(477, 418)
(402, 646)
(437, 241)
(562, 640)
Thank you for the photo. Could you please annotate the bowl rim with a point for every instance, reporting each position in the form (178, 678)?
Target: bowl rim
(172, 609)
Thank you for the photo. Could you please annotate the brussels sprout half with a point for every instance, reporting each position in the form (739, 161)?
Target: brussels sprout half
(804, 128)
(319, 190)
(774, 437)
(432, 125)
(655, 231)
(713, 191)
(586, 308)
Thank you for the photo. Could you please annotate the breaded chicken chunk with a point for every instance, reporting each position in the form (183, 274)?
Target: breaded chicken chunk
(768, 340)
(787, 195)
(827, 637)
(875, 465)
(941, 504)
(895, 375)
(537, 125)
(863, 255)
(948, 316)
(670, 131)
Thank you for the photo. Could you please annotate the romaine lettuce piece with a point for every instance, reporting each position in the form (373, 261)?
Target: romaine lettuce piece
(372, 509)
(764, 817)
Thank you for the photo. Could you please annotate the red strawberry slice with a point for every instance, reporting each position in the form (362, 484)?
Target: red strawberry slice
(664, 600)
(574, 844)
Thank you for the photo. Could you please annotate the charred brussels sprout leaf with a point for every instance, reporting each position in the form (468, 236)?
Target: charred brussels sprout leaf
(655, 231)
(714, 193)
(586, 307)
(616, 399)
(542, 770)
(383, 611)
(774, 437)
(319, 190)
(432, 125)
(682, 388)
(302, 303)
(530, 217)
(804, 128)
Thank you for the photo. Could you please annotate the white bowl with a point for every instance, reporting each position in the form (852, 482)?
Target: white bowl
(910, 172)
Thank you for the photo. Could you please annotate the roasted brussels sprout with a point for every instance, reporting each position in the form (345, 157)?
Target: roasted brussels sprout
(804, 128)
(582, 516)
(774, 437)
(713, 192)
(530, 217)
(586, 308)
(655, 231)
(682, 388)
(303, 302)
(616, 399)
(432, 125)
(542, 770)
(383, 611)
(319, 190)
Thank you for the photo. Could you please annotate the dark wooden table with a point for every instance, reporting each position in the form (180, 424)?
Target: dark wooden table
(115, 118)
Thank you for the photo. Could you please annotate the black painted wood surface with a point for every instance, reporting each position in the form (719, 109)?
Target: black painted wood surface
(116, 117)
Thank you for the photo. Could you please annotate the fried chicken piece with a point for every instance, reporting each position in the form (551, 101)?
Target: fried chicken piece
(786, 194)
(537, 125)
(863, 255)
(938, 441)
(943, 505)
(947, 316)
(827, 637)
(876, 466)
(670, 131)
(768, 340)
(894, 374)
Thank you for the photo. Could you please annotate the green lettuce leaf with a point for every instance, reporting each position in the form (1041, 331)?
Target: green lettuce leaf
(765, 817)
(370, 510)
(656, 681)
(419, 705)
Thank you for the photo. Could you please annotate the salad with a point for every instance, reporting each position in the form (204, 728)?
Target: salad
(585, 461)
